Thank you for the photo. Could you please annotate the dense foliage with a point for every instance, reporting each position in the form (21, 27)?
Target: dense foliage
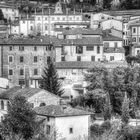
(19, 123)
(50, 80)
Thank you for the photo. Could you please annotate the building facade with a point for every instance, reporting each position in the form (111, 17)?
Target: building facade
(25, 58)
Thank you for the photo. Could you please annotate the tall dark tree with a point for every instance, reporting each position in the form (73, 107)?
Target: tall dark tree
(1, 15)
(50, 80)
(19, 123)
(107, 4)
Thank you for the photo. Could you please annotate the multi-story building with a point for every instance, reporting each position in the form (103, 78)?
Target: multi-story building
(25, 58)
(9, 11)
(47, 22)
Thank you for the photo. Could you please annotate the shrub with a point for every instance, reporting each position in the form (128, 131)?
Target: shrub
(106, 125)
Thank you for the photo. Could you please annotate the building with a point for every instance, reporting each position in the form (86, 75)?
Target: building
(34, 96)
(113, 48)
(63, 122)
(24, 58)
(9, 11)
(80, 45)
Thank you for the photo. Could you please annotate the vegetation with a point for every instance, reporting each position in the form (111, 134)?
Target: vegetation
(19, 123)
(50, 80)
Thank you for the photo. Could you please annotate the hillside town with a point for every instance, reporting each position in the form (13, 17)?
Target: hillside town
(68, 73)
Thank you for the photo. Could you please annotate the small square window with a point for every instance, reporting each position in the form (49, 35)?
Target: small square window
(21, 59)
(35, 48)
(21, 82)
(92, 58)
(21, 48)
(10, 72)
(46, 18)
(10, 48)
(35, 59)
(78, 58)
(35, 71)
(10, 59)
(71, 130)
(63, 58)
(21, 72)
(111, 58)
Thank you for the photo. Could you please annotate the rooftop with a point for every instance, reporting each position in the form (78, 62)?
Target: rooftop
(26, 92)
(109, 37)
(83, 31)
(60, 111)
(88, 65)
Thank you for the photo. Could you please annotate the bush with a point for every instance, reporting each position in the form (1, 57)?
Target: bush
(106, 125)
(96, 130)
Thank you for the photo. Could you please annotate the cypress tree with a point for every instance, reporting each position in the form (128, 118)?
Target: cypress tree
(50, 80)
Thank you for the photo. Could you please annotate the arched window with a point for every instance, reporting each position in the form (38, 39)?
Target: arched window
(2, 104)
(38, 27)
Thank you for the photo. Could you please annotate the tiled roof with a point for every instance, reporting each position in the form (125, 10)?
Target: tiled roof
(83, 41)
(76, 64)
(26, 92)
(136, 46)
(111, 38)
(60, 111)
(83, 31)
(135, 23)
(88, 65)
(123, 13)
(71, 23)
(30, 41)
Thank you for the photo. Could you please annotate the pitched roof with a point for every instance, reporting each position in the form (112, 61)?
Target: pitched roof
(135, 23)
(30, 41)
(26, 92)
(88, 65)
(114, 50)
(71, 23)
(83, 41)
(110, 37)
(60, 111)
(83, 31)
(76, 64)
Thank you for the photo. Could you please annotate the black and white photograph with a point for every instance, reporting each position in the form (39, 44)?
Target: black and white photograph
(69, 69)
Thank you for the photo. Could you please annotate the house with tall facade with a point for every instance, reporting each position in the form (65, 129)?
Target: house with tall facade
(23, 58)
(36, 97)
(64, 122)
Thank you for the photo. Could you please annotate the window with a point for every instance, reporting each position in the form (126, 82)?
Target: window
(46, 27)
(2, 104)
(106, 44)
(23, 21)
(10, 72)
(39, 18)
(10, 59)
(48, 59)
(63, 58)
(79, 49)
(35, 59)
(90, 48)
(31, 28)
(45, 18)
(63, 18)
(21, 48)
(138, 51)
(58, 18)
(35, 72)
(48, 119)
(21, 72)
(21, 59)
(134, 39)
(71, 130)
(10, 48)
(21, 82)
(139, 39)
(134, 30)
(78, 58)
(92, 58)
(48, 129)
(98, 49)
(111, 58)
(115, 44)
(35, 48)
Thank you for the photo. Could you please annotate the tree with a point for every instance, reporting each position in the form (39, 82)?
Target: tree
(1, 15)
(19, 123)
(50, 80)
(125, 110)
(107, 4)
(107, 108)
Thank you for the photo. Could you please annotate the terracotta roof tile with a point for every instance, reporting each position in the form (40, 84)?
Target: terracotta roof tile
(60, 111)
